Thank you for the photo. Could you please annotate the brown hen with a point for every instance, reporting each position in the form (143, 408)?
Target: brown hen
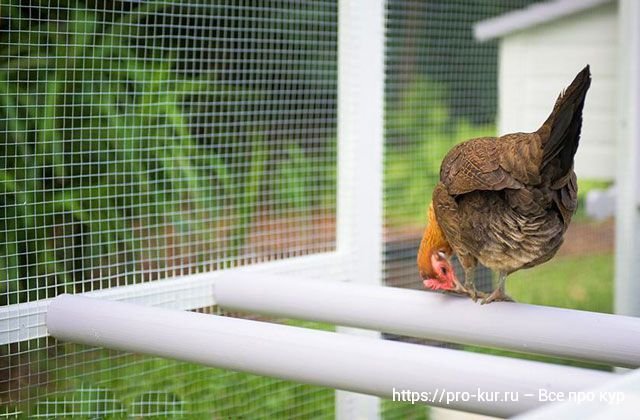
(504, 202)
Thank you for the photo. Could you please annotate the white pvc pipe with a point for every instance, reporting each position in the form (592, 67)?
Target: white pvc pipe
(614, 399)
(348, 362)
(604, 338)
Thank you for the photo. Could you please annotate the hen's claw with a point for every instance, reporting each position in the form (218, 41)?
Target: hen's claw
(497, 295)
(471, 292)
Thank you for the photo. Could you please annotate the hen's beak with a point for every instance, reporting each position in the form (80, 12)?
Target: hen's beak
(443, 276)
(436, 284)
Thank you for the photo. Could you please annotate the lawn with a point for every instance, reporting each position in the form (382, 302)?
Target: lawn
(583, 282)
(576, 282)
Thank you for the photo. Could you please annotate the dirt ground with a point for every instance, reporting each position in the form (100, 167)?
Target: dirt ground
(584, 237)
(588, 238)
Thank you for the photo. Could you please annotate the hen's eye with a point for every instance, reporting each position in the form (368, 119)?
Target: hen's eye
(444, 271)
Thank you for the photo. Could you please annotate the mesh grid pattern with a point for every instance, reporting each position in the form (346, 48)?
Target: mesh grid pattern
(147, 140)
(441, 88)
(151, 139)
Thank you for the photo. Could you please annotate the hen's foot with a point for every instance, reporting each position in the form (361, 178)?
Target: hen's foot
(497, 295)
(473, 293)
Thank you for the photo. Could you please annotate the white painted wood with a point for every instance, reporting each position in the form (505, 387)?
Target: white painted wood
(26, 321)
(582, 335)
(536, 14)
(627, 268)
(342, 361)
(360, 136)
(536, 64)
(361, 44)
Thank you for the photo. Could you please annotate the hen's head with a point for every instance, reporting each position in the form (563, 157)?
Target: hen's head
(434, 257)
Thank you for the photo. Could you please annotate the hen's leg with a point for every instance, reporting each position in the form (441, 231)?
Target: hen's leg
(469, 283)
(469, 265)
(498, 295)
(459, 288)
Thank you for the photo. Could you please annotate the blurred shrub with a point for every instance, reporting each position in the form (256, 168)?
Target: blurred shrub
(419, 133)
(128, 148)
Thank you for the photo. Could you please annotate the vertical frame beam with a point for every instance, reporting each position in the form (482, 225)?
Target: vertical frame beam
(360, 148)
(627, 264)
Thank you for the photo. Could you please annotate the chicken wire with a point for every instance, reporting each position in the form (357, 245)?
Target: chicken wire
(442, 88)
(151, 139)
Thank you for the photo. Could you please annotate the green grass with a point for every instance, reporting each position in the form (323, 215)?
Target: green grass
(577, 282)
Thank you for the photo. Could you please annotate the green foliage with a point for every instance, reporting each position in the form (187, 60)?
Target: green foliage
(436, 38)
(420, 132)
(404, 411)
(157, 404)
(80, 110)
(107, 161)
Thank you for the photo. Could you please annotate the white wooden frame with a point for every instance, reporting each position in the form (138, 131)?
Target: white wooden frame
(627, 264)
(361, 45)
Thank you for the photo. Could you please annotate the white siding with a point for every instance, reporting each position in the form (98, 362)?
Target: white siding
(537, 63)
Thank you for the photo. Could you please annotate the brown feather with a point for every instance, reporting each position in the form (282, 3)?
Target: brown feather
(506, 202)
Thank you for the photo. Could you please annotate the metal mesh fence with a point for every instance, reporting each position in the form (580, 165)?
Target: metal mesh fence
(153, 139)
(442, 88)
(146, 140)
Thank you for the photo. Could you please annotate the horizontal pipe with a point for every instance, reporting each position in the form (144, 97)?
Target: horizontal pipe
(614, 399)
(25, 321)
(580, 335)
(341, 361)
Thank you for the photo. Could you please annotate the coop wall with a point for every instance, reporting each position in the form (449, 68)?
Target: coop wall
(537, 63)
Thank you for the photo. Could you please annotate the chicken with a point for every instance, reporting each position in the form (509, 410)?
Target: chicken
(504, 202)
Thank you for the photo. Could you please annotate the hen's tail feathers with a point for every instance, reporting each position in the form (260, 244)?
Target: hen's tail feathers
(560, 133)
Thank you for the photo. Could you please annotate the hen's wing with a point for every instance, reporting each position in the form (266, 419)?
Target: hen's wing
(476, 165)
(470, 166)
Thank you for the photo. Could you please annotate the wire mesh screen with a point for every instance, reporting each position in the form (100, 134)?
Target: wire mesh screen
(154, 139)
(151, 139)
(442, 88)
(145, 140)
